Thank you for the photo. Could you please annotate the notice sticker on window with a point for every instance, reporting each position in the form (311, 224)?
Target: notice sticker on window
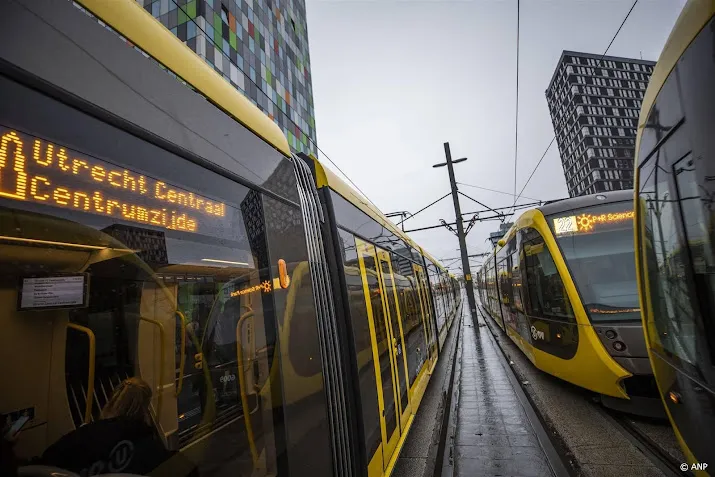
(67, 291)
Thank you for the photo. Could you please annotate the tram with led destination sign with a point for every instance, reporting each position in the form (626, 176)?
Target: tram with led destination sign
(160, 238)
(565, 292)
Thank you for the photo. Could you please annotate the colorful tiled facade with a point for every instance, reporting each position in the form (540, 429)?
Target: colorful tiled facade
(260, 47)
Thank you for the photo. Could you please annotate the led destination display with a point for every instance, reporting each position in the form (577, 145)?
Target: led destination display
(35, 170)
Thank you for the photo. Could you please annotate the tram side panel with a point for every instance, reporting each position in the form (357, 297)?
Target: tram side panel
(302, 381)
(394, 340)
(675, 229)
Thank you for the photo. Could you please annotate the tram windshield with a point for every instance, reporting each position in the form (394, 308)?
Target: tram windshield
(597, 244)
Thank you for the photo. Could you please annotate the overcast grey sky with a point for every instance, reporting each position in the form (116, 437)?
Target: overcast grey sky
(394, 80)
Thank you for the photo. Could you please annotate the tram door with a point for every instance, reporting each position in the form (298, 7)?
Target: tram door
(394, 315)
(426, 316)
(388, 358)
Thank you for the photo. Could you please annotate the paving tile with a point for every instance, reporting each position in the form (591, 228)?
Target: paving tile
(489, 412)
(528, 440)
(470, 404)
(513, 419)
(483, 466)
(476, 452)
(465, 438)
(517, 429)
(496, 419)
(493, 429)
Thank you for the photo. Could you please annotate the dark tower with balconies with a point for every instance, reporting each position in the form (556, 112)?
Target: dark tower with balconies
(594, 103)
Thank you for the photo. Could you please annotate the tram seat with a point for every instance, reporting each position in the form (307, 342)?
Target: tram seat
(104, 385)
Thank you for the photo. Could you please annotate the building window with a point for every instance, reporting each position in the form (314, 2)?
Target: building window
(224, 14)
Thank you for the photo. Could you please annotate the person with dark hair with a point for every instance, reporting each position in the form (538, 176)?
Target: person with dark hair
(122, 440)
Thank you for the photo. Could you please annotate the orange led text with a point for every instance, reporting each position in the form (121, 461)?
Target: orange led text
(35, 170)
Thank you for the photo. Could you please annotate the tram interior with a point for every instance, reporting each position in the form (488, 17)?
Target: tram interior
(138, 315)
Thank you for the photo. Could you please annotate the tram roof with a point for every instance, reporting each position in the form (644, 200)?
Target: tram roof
(326, 177)
(147, 33)
(694, 16)
(562, 205)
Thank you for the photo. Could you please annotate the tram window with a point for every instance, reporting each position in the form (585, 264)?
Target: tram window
(516, 281)
(437, 295)
(413, 328)
(667, 263)
(505, 282)
(546, 291)
(363, 343)
(697, 225)
(663, 117)
(600, 257)
(149, 260)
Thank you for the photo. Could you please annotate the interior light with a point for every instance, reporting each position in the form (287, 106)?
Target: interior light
(675, 397)
(214, 260)
(601, 197)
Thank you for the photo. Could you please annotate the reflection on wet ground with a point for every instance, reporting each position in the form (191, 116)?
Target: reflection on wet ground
(494, 435)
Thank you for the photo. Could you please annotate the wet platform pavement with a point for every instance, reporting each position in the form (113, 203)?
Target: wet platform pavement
(494, 434)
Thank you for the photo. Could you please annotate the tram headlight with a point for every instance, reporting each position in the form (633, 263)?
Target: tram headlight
(610, 334)
(619, 346)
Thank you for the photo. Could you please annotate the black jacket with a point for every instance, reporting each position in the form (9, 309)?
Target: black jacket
(113, 446)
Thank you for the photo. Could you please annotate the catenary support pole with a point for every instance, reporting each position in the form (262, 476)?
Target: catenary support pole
(461, 235)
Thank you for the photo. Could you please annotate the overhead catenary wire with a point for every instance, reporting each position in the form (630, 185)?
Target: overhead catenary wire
(494, 190)
(554, 138)
(516, 116)
(425, 207)
(220, 48)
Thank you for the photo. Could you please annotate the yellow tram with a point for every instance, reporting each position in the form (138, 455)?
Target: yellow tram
(562, 285)
(674, 229)
(157, 225)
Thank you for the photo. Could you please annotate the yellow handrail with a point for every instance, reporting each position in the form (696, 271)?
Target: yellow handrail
(161, 364)
(242, 386)
(90, 377)
(182, 359)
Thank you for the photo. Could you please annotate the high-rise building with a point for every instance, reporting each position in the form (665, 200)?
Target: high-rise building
(260, 47)
(594, 103)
